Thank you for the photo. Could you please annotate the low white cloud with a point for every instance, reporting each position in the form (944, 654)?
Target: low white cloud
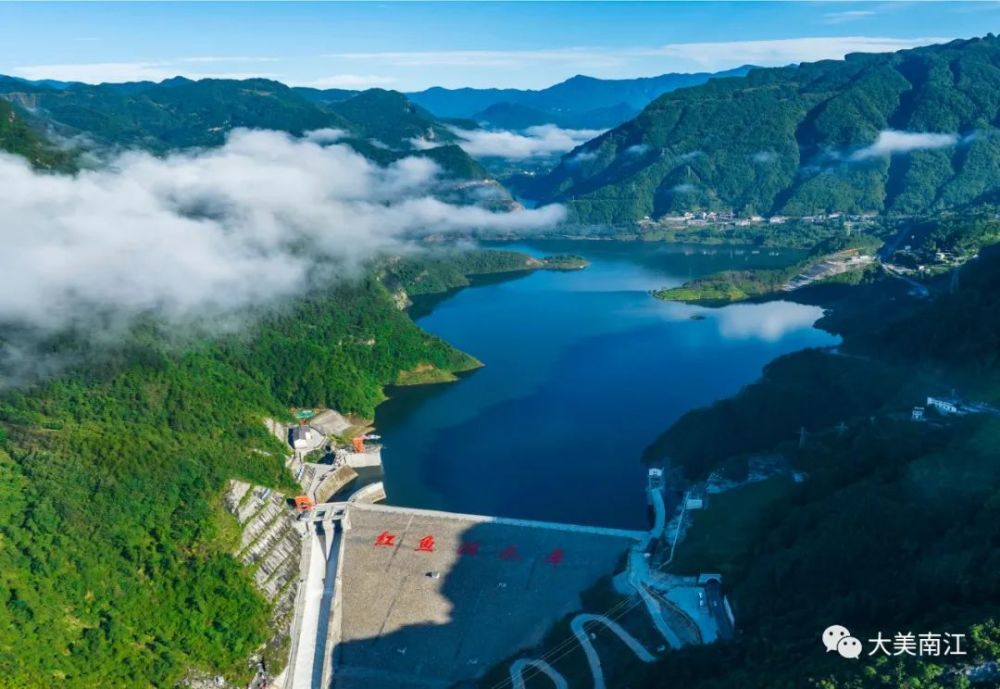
(637, 150)
(708, 56)
(235, 59)
(528, 68)
(531, 68)
(690, 155)
(351, 81)
(715, 56)
(847, 16)
(764, 157)
(769, 322)
(327, 135)
(116, 72)
(485, 58)
(891, 142)
(683, 188)
(421, 143)
(533, 142)
(199, 237)
(582, 157)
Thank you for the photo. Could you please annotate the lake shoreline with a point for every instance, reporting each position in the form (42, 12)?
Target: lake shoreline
(574, 372)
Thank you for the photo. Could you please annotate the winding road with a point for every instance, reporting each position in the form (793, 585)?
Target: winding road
(638, 573)
(577, 625)
(518, 667)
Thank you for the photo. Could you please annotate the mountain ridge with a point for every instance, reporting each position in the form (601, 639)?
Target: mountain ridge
(580, 101)
(181, 113)
(907, 132)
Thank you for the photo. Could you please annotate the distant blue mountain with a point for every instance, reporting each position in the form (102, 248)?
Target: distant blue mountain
(580, 102)
(47, 83)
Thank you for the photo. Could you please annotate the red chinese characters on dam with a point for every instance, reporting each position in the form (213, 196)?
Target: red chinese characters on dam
(385, 538)
(555, 557)
(510, 553)
(470, 548)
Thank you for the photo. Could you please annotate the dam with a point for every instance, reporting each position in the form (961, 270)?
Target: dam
(398, 597)
(435, 598)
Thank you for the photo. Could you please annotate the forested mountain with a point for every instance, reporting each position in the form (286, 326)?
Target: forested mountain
(325, 95)
(17, 137)
(387, 117)
(896, 524)
(580, 102)
(115, 570)
(176, 113)
(180, 113)
(907, 132)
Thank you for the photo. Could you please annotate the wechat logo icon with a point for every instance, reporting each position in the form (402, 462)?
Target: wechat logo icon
(838, 638)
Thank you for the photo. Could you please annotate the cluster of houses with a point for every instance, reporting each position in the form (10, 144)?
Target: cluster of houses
(950, 406)
(701, 218)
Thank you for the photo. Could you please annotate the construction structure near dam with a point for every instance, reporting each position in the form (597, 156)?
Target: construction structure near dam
(393, 597)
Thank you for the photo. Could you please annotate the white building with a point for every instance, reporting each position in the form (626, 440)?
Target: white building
(301, 435)
(944, 406)
(655, 479)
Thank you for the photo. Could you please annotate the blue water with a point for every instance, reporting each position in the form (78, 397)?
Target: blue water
(582, 371)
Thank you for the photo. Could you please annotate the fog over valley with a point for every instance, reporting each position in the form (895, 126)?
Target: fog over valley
(409, 345)
(196, 236)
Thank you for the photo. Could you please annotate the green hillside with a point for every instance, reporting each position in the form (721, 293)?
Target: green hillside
(16, 136)
(180, 113)
(793, 141)
(895, 526)
(114, 565)
(456, 163)
(177, 113)
(390, 118)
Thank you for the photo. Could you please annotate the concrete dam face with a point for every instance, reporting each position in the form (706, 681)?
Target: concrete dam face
(437, 598)
(387, 597)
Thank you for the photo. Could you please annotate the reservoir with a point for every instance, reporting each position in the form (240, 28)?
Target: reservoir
(583, 369)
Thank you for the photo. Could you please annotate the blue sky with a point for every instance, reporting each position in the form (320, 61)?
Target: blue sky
(409, 46)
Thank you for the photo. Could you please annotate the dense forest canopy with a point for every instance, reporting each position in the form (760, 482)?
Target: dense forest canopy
(19, 138)
(180, 113)
(114, 565)
(895, 526)
(907, 132)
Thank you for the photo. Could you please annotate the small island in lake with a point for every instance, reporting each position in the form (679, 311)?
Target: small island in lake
(565, 262)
